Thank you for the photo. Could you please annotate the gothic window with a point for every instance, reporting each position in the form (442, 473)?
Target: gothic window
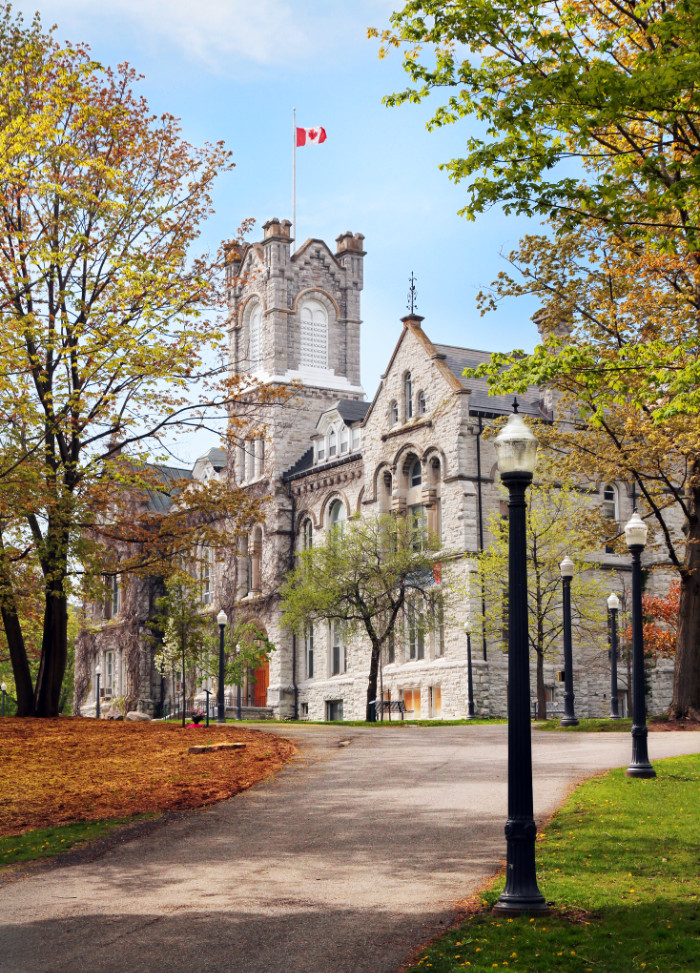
(421, 403)
(394, 410)
(610, 510)
(309, 651)
(415, 476)
(116, 596)
(255, 329)
(332, 443)
(338, 650)
(416, 631)
(408, 395)
(307, 535)
(314, 335)
(206, 581)
(337, 515)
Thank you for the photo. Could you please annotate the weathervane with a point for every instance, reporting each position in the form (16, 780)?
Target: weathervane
(412, 300)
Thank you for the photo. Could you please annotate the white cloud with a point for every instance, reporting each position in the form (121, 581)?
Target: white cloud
(224, 33)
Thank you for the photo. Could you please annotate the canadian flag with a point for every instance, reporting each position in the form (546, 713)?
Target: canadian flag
(311, 136)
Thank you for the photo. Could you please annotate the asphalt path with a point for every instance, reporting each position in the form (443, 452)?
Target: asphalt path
(344, 862)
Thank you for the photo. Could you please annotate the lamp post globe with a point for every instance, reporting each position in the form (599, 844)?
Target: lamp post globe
(221, 621)
(470, 681)
(613, 603)
(516, 454)
(98, 673)
(567, 569)
(636, 532)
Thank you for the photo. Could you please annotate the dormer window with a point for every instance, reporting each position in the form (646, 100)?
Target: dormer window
(408, 396)
(332, 443)
(344, 439)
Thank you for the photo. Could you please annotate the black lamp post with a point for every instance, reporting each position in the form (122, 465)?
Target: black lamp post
(239, 711)
(636, 535)
(613, 608)
(516, 451)
(470, 682)
(221, 620)
(3, 689)
(567, 572)
(98, 673)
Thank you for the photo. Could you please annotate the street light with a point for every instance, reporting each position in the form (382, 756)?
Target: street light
(516, 453)
(239, 711)
(221, 620)
(98, 673)
(636, 536)
(567, 572)
(3, 690)
(470, 684)
(613, 608)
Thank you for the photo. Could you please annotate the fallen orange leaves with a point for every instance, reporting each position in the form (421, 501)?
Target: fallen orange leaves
(72, 769)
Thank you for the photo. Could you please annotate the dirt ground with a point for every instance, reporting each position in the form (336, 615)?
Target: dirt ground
(71, 769)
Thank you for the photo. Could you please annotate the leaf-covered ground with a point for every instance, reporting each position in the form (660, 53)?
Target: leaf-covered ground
(54, 772)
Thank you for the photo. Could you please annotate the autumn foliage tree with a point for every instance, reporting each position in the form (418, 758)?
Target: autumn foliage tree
(108, 341)
(589, 113)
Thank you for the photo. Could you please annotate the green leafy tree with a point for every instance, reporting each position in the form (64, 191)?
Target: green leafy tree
(365, 576)
(557, 527)
(109, 339)
(590, 113)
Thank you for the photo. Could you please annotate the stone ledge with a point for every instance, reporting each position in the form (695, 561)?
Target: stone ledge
(210, 747)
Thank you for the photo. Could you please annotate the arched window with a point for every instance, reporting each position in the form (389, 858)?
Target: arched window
(332, 443)
(337, 515)
(314, 335)
(344, 438)
(255, 331)
(307, 535)
(206, 580)
(408, 395)
(415, 474)
(610, 502)
(394, 413)
(421, 403)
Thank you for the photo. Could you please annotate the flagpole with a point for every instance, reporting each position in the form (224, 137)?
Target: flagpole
(294, 177)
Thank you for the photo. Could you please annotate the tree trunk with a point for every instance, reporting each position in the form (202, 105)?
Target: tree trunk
(686, 677)
(373, 675)
(541, 695)
(15, 642)
(54, 648)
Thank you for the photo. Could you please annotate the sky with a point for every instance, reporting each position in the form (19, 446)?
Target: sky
(234, 70)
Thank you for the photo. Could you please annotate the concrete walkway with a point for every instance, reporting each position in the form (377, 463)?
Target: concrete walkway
(345, 862)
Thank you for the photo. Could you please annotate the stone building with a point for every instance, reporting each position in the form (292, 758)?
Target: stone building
(327, 453)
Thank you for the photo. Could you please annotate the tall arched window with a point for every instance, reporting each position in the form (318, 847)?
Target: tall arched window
(314, 335)
(610, 502)
(394, 412)
(255, 331)
(307, 534)
(408, 395)
(337, 515)
(415, 474)
(421, 403)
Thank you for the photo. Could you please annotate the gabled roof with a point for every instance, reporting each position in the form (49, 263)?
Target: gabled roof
(160, 501)
(217, 458)
(457, 359)
(352, 411)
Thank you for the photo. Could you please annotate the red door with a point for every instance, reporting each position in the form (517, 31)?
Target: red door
(262, 681)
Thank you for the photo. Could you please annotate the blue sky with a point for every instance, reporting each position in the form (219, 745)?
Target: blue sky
(234, 70)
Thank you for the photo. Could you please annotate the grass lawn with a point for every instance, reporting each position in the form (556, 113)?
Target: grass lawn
(588, 726)
(619, 860)
(71, 771)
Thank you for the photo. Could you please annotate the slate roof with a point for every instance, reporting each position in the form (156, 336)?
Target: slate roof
(457, 359)
(217, 458)
(352, 411)
(304, 463)
(158, 501)
(481, 403)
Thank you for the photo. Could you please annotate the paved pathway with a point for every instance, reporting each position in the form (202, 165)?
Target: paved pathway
(343, 863)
